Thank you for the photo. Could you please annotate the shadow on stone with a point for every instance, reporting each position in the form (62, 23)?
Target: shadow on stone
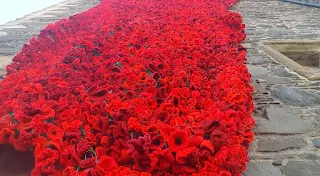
(15, 163)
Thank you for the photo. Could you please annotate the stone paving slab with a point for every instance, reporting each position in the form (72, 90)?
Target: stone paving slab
(295, 96)
(279, 144)
(301, 168)
(262, 169)
(280, 121)
(4, 61)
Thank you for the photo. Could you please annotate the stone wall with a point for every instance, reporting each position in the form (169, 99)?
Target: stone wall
(309, 1)
(287, 106)
(314, 3)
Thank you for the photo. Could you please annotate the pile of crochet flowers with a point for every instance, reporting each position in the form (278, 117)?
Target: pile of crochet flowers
(133, 87)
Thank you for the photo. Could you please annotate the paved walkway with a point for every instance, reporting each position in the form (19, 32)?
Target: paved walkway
(10, 11)
(287, 107)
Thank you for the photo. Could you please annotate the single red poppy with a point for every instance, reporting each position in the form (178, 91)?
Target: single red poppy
(178, 140)
(157, 142)
(143, 77)
(152, 104)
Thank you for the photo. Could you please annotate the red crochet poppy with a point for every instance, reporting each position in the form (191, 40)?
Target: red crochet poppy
(178, 140)
(161, 159)
(157, 142)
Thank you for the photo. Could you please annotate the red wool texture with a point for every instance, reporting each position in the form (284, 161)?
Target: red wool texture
(133, 87)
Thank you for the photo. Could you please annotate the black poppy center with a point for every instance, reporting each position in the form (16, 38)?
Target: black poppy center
(162, 117)
(157, 142)
(175, 101)
(178, 141)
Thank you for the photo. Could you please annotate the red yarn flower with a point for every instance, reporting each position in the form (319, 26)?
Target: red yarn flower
(161, 159)
(178, 140)
(107, 164)
(157, 142)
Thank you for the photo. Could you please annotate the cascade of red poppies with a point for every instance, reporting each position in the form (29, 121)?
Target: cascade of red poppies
(133, 87)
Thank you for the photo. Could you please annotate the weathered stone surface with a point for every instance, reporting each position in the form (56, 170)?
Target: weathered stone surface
(14, 38)
(258, 60)
(277, 163)
(11, 26)
(271, 156)
(294, 22)
(280, 71)
(2, 33)
(2, 73)
(260, 90)
(294, 96)
(262, 169)
(8, 51)
(281, 121)
(309, 156)
(257, 70)
(262, 73)
(316, 142)
(301, 168)
(14, 162)
(4, 61)
(278, 144)
(279, 31)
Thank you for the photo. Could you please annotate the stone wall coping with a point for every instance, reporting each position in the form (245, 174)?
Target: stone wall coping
(281, 58)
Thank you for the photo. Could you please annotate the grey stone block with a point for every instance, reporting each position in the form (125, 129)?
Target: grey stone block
(280, 71)
(262, 73)
(310, 156)
(281, 121)
(2, 33)
(278, 144)
(277, 163)
(8, 51)
(262, 169)
(301, 168)
(295, 96)
(316, 142)
(258, 60)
